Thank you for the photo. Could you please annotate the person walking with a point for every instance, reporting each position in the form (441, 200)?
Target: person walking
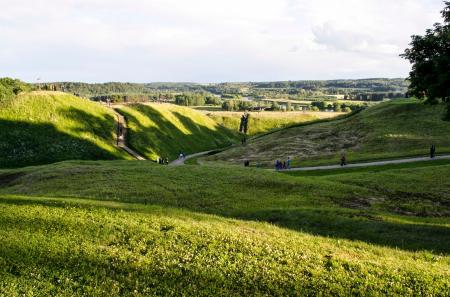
(288, 163)
(343, 159)
(432, 151)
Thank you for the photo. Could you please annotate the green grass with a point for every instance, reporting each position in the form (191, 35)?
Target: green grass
(163, 130)
(262, 122)
(389, 130)
(46, 127)
(142, 229)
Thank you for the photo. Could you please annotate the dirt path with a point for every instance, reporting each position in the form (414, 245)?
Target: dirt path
(121, 136)
(368, 164)
(179, 162)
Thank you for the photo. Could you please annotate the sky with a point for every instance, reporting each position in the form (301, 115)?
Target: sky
(209, 40)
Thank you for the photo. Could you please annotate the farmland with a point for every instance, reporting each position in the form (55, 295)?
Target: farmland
(261, 122)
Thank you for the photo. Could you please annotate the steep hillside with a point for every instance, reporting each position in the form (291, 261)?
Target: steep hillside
(261, 122)
(392, 129)
(165, 130)
(143, 229)
(46, 127)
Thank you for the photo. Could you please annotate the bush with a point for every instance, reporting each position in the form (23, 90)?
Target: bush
(190, 99)
(211, 100)
(10, 87)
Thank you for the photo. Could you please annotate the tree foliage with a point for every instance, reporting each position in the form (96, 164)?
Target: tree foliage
(196, 99)
(10, 87)
(430, 59)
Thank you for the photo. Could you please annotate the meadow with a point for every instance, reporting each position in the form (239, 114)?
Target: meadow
(46, 127)
(261, 122)
(133, 228)
(394, 129)
(165, 130)
(143, 229)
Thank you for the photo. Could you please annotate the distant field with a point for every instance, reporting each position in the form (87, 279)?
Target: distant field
(165, 130)
(261, 122)
(142, 229)
(388, 130)
(46, 127)
(207, 108)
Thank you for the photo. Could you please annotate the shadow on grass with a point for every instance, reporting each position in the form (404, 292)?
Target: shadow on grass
(361, 226)
(337, 223)
(25, 143)
(101, 126)
(110, 265)
(168, 140)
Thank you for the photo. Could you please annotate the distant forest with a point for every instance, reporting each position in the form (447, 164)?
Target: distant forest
(375, 89)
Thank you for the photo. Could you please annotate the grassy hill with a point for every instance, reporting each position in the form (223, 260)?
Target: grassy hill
(261, 122)
(163, 130)
(143, 229)
(46, 127)
(388, 130)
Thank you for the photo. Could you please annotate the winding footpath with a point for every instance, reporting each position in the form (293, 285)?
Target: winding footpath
(180, 161)
(121, 136)
(122, 132)
(369, 164)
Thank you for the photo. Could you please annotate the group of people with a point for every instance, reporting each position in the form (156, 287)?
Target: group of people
(162, 161)
(286, 165)
(182, 155)
(283, 165)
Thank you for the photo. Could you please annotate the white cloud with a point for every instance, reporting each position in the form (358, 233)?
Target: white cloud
(204, 40)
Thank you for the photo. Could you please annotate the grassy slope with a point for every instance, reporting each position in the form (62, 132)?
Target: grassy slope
(388, 130)
(45, 127)
(342, 234)
(165, 129)
(261, 122)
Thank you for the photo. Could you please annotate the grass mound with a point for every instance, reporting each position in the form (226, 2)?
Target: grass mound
(46, 127)
(248, 233)
(163, 130)
(261, 122)
(389, 130)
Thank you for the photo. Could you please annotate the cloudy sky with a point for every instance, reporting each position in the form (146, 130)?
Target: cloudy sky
(208, 40)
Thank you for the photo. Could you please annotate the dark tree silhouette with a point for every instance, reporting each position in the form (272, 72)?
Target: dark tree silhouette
(430, 59)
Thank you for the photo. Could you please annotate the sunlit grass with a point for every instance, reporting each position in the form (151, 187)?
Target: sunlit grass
(261, 122)
(165, 130)
(45, 127)
(143, 229)
(395, 129)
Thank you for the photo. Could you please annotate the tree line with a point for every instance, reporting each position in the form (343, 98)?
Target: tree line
(197, 99)
(240, 105)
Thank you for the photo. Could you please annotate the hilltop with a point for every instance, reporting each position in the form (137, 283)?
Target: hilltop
(391, 129)
(165, 130)
(46, 127)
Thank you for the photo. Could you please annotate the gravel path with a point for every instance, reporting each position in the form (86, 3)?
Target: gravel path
(368, 164)
(179, 161)
(121, 136)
